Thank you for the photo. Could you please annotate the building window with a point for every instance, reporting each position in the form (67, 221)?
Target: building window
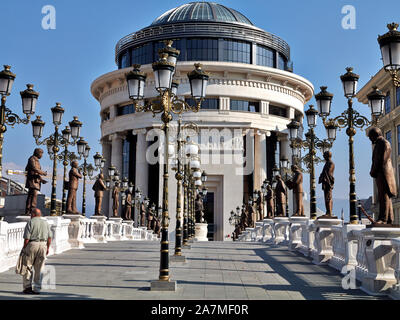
(281, 62)
(143, 54)
(398, 96)
(265, 56)
(277, 111)
(236, 51)
(247, 106)
(202, 49)
(387, 103)
(123, 110)
(207, 104)
(389, 136)
(124, 60)
(105, 116)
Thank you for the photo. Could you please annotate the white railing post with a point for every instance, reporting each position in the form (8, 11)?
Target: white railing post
(281, 230)
(296, 232)
(323, 240)
(268, 230)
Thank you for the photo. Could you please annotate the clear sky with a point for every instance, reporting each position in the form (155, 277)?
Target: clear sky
(63, 62)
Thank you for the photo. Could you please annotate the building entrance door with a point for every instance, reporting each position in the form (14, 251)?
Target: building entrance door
(208, 204)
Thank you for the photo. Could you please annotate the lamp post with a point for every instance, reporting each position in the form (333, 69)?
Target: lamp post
(167, 104)
(68, 156)
(7, 117)
(350, 119)
(88, 171)
(312, 143)
(275, 172)
(53, 143)
(390, 50)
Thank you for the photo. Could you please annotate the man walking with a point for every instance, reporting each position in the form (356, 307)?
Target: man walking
(37, 240)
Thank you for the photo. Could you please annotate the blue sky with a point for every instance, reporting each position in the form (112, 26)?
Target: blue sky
(63, 62)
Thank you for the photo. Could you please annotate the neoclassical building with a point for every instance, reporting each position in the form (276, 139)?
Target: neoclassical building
(252, 88)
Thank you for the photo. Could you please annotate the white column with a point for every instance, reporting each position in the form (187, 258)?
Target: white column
(106, 147)
(116, 159)
(260, 156)
(264, 107)
(224, 103)
(142, 167)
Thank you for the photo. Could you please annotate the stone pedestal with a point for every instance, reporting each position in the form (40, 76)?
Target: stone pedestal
(116, 227)
(249, 234)
(379, 254)
(281, 226)
(268, 230)
(395, 290)
(59, 227)
(350, 246)
(296, 231)
(259, 231)
(128, 229)
(201, 230)
(75, 230)
(99, 228)
(175, 258)
(160, 285)
(323, 240)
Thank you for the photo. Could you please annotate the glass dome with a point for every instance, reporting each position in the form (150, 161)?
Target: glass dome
(202, 11)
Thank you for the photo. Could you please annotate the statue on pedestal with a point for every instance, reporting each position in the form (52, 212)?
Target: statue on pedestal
(199, 209)
(115, 197)
(128, 206)
(382, 171)
(259, 207)
(98, 188)
(270, 202)
(251, 216)
(327, 180)
(296, 184)
(150, 220)
(74, 176)
(280, 197)
(34, 179)
(142, 214)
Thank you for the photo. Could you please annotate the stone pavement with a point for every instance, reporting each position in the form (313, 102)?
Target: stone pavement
(214, 270)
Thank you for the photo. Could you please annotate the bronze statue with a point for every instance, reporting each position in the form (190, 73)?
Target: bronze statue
(199, 209)
(280, 197)
(98, 188)
(142, 215)
(382, 171)
(296, 184)
(327, 180)
(128, 206)
(251, 216)
(270, 202)
(115, 197)
(157, 227)
(150, 220)
(33, 179)
(259, 207)
(74, 176)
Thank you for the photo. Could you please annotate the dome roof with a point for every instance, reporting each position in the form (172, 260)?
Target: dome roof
(202, 11)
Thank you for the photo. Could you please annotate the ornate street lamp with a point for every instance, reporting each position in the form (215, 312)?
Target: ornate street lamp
(351, 119)
(53, 143)
(390, 50)
(312, 143)
(29, 99)
(167, 104)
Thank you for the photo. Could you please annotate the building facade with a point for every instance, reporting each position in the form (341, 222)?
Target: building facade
(389, 123)
(252, 90)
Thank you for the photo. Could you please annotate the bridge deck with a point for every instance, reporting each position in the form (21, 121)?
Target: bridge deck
(214, 270)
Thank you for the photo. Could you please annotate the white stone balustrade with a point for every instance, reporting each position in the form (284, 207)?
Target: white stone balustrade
(268, 230)
(11, 242)
(395, 290)
(59, 228)
(379, 256)
(296, 226)
(281, 230)
(259, 231)
(323, 240)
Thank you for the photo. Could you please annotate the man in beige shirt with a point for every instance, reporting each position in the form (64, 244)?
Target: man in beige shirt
(37, 240)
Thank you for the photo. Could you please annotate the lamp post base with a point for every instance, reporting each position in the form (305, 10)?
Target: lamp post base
(175, 258)
(162, 285)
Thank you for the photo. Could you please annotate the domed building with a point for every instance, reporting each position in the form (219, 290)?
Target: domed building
(252, 93)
